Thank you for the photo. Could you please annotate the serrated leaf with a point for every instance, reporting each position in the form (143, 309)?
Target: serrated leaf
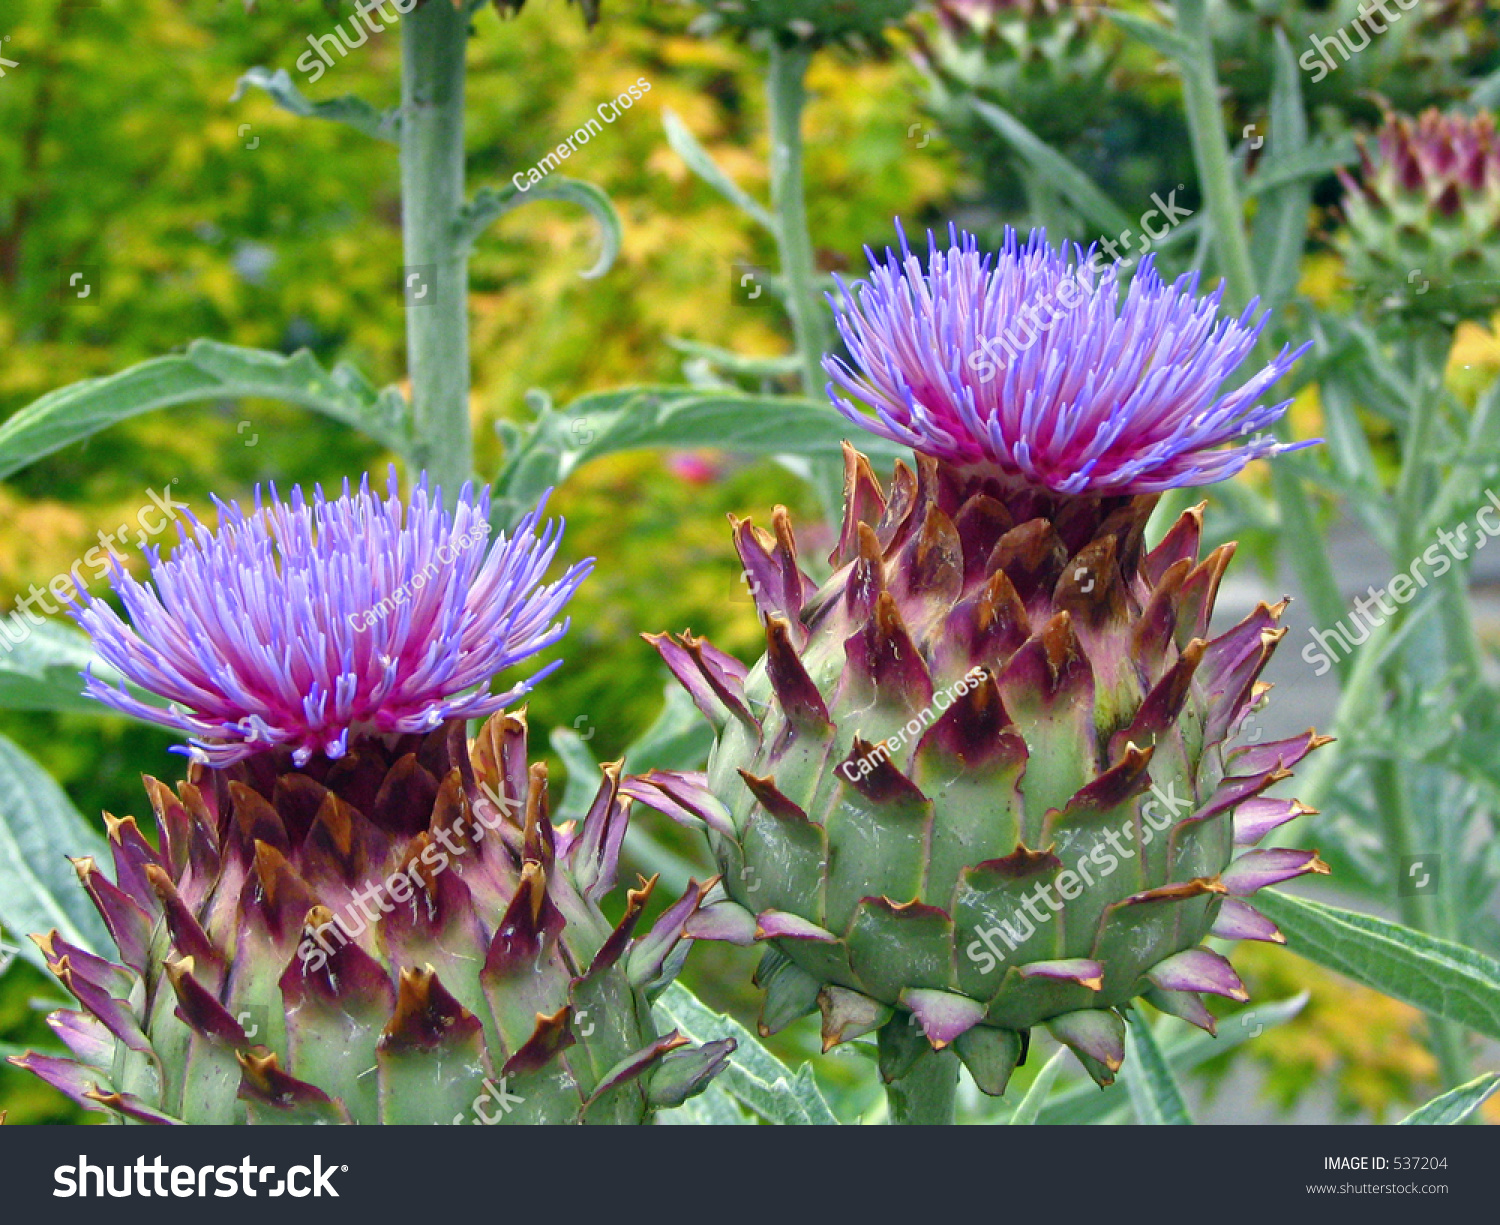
(1084, 1103)
(679, 739)
(42, 671)
(1058, 171)
(1281, 221)
(711, 1108)
(39, 830)
(1457, 1104)
(1031, 1105)
(699, 161)
(1154, 1091)
(753, 1076)
(207, 371)
(491, 203)
(632, 418)
(583, 775)
(737, 364)
(350, 110)
(1312, 161)
(1439, 977)
(1158, 37)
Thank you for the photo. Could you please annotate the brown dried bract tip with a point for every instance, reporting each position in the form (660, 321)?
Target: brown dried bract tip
(771, 798)
(1176, 893)
(426, 1014)
(795, 690)
(256, 819)
(264, 1079)
(335, 818)
(1022, 863)
(1091, 587)
(553, 1034)
(534, 887)
(279, 881)
(866, 580)
(864, 504)
(538, 841)
(937, 558)
(1061, 644)
(636, 899)
(413, 864)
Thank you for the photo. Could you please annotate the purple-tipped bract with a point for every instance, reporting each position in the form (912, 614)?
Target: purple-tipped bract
(303, 625)
(1030, 361)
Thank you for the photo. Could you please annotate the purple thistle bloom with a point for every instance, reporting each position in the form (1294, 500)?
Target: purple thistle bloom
(1029, 361)
(303, 626)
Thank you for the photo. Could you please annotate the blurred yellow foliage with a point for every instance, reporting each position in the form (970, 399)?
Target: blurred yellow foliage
(1365, 1048)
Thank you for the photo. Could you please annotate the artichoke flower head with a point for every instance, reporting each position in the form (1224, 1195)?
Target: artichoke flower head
(355, 912)
(991, 774)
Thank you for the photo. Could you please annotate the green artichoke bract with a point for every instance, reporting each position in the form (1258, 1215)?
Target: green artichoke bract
(1422, 222)
(985, 777)
(354, 914)
(1046, 63)
(1352, 50)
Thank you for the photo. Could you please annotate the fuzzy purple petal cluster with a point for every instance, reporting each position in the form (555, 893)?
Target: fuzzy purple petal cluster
(306, 625)
(1035, 361)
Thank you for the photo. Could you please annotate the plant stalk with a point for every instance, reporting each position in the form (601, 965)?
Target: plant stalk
(1301, 540)
(787, 95)
(1417, 909)
(928, 1093)
(435, 275)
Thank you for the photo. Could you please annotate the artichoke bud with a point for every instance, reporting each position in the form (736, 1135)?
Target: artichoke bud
(994, 773)
(1422, 219)
(398, 937)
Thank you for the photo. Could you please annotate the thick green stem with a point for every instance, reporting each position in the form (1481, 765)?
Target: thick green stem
(1302, 542)
(1200, 89)
(436, 274)
(1429, 352)
(786, 90)
(927, 1093)
(1418, 910)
